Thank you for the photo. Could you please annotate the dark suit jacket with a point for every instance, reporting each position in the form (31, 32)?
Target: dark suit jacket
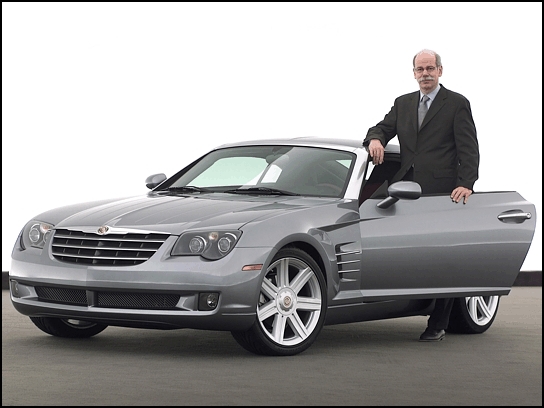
(444, 152)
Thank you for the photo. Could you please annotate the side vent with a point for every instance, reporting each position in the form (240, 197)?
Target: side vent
(348, 258)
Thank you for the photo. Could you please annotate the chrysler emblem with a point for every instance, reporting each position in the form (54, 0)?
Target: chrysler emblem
(103, 230)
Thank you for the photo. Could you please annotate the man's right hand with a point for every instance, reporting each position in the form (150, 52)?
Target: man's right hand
(376, 151)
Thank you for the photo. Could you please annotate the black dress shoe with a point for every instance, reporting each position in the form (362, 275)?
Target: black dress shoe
(432, 335)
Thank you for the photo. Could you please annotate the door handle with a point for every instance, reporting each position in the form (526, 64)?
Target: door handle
(514, 216)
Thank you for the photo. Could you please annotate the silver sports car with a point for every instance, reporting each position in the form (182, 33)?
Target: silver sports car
(271, 240)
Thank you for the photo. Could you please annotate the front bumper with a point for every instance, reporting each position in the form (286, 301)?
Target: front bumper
(161, 293)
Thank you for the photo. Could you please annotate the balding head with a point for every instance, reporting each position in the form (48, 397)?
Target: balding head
(437, 59)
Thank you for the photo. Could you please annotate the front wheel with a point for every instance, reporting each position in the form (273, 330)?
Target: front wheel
(291, 307)
(70, 328)
(473, 315)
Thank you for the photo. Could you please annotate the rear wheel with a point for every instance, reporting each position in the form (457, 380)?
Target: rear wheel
(472, 315)
(291, 307)
(67, 327)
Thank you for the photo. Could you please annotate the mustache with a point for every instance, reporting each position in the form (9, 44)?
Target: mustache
(425, 78)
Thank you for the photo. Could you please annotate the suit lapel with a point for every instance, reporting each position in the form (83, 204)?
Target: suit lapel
(414, 106)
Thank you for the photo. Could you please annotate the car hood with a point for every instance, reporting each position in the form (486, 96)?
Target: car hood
(174, 214)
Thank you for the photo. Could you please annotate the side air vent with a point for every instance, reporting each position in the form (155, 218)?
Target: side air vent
(348, 257)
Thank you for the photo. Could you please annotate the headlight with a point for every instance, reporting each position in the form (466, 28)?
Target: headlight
(208, 244)
(35, 234)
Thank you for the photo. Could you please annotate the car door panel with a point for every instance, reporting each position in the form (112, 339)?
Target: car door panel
(434, 246)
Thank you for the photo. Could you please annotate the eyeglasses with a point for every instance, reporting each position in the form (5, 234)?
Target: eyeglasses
(420, 70)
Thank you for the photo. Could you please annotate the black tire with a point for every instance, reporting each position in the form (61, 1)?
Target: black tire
(473, 315)
(71, 328)
(291, 308)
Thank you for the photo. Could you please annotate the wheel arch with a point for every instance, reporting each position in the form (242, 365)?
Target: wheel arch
(313, 252)
(311, 246)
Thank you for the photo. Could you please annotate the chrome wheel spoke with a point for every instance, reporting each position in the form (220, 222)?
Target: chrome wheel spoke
(309, 304)
(483, 307)
(267, 310)
(269, 289)
(301, 279)
(298, 326)
(278, 328)
(283, 273)
(472, 306)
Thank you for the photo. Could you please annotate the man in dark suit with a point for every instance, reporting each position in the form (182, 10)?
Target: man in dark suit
(438, 148)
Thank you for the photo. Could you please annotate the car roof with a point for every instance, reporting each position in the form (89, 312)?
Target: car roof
(315, 141)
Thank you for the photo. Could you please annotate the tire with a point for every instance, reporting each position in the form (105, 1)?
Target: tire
(291, 307)
(473, 315)
(76, 329)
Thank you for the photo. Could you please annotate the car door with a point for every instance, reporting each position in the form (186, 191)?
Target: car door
(433, 247)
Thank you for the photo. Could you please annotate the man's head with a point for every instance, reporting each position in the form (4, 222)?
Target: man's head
(427, 70)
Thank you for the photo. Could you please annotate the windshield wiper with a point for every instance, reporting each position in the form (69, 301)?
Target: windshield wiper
(187, 189)
(261, 190)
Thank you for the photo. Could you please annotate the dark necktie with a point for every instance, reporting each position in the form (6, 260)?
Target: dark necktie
(422, 111)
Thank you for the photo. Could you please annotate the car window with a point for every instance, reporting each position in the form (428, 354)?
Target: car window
(271, 176)
(378, 178)
(231, 171)
(295, 169)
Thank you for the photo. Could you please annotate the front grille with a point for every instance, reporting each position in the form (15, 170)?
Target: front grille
(62, 295)
(120, 300)
(137, 300)
(114, 249)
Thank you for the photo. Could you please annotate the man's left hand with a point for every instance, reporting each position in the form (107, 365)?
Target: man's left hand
(460, 193)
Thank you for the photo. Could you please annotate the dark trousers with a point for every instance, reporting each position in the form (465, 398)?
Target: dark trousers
(440, 316)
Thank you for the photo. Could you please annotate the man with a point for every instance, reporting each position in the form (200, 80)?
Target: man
(438, 148)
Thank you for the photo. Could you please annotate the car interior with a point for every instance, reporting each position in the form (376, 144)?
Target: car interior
(375, 186)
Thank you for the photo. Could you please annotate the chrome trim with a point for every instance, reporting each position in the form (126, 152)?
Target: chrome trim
(347, 262)
(103, 238)
(349, 270)
(115, 258)
(111, 230)
(104, 247)
(526, 215)
(348, 253)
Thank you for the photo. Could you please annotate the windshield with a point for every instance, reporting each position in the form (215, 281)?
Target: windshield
(291, 170)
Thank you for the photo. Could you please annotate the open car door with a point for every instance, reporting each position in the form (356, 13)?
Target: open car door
(432, 247)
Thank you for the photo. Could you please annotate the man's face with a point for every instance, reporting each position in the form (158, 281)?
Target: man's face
(426, 72)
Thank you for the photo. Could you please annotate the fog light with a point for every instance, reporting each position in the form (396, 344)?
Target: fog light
(14, 288)
(208, 301)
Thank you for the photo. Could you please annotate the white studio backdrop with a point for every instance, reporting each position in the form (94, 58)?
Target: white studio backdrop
(98, 96)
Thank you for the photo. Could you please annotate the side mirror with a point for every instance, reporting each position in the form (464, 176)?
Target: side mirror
(154, 180)
(405, 190)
